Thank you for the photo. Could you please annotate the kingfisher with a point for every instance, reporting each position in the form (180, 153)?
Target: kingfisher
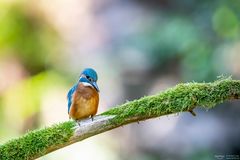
(83, 97)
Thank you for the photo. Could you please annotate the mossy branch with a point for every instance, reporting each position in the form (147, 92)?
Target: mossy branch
(183, 97)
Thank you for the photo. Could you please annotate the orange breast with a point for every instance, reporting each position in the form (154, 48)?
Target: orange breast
(84, 103)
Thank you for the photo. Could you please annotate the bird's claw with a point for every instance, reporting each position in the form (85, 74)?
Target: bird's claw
(79, 124)
(92, 118)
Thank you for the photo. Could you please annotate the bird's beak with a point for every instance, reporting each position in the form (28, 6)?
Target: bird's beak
(95, 86)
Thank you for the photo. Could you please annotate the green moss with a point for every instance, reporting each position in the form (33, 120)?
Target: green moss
(36, 142)
(183, 97)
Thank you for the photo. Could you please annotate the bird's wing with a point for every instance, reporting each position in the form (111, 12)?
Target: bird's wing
(69, 96)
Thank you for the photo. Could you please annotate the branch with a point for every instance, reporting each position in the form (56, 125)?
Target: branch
(183, 97)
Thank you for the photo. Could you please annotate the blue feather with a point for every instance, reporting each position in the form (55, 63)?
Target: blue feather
(69, 96)
(90, 76)
(91, 73)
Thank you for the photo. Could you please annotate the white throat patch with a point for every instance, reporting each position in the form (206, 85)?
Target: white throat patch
(87, 84)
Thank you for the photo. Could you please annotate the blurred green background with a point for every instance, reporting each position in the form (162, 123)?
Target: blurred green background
(138, 48)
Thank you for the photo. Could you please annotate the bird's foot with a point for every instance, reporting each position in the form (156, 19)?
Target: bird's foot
(78, 122)
(92, 118)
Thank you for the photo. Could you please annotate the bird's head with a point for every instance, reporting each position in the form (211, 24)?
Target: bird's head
(90, 77)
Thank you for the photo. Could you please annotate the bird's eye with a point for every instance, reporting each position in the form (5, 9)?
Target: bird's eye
(89, 78)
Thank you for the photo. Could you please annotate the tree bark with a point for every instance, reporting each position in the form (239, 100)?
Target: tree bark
(181, 98)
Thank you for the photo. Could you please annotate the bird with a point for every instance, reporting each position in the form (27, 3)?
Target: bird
(83, 97)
